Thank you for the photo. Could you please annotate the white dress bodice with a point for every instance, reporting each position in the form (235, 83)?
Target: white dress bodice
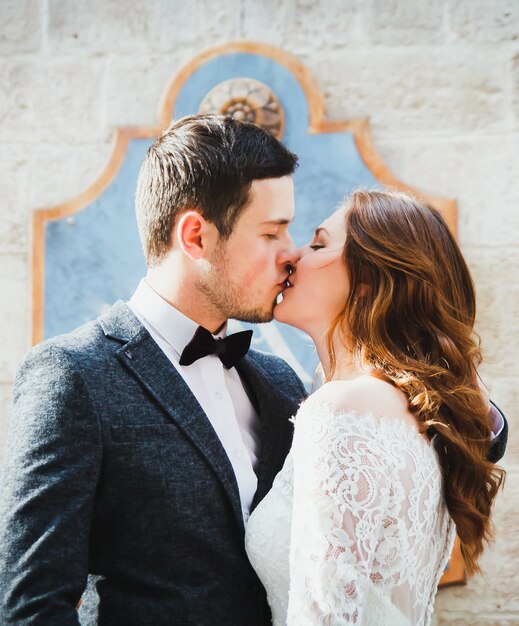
(355, 529)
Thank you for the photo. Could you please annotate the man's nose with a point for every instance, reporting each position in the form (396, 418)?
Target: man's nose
(290, 254)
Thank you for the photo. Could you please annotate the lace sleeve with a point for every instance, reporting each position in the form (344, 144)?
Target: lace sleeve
(341, 495)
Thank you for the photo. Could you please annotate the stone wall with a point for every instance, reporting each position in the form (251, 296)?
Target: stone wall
(440, 80)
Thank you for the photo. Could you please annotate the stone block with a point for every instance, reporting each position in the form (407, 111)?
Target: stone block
(393, 153)
(14, 295)
(13, 199)
(505, 393)
(400, 22)
(5, 411)
(48, 100)
(108, 26)
(134, 86)
(20, 26)
(479, 172)
(514, 85)
(484, 21)
(413, 90)
(301, 26)
(220, 22)
(481, 619)
(494, 594)
(329, 24)
(268, 21)
(495, 272)
(42, 176)
(57, 173)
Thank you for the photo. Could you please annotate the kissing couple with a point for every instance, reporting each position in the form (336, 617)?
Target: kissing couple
(158, 472)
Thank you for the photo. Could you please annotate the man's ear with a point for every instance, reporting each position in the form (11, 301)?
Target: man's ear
(191, 233)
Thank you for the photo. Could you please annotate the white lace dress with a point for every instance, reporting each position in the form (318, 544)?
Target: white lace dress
(355, 529)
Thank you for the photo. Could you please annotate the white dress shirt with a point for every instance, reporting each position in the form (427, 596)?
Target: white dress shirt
(498, 423)
(219, 391)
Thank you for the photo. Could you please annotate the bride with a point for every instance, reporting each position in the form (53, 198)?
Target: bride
(389, 455)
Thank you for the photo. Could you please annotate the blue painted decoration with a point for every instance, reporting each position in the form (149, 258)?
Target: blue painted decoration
(94, 257)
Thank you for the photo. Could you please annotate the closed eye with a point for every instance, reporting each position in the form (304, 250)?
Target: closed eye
(317, 246)
(272, 237)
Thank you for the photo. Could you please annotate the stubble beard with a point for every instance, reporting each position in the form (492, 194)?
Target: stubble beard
(230, 299)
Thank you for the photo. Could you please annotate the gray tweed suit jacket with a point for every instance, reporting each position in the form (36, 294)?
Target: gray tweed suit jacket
(116, 487)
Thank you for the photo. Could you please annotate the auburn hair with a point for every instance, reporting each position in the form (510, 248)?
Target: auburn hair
(409, 318)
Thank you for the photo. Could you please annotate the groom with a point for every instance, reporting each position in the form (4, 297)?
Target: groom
(140, 442)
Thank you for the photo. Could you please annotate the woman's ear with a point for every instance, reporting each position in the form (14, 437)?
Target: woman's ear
(189, 234)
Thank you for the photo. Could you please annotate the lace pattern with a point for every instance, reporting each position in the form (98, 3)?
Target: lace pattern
(355, 529)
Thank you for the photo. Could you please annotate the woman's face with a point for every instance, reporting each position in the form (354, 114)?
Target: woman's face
(320, 283)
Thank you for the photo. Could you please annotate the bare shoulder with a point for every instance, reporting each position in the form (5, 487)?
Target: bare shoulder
(365, 394)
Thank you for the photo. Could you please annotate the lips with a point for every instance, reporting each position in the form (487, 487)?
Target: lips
(286, 284)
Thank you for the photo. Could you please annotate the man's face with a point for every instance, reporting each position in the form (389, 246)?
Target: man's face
(249, 269)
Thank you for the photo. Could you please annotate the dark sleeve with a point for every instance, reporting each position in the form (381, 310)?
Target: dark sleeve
(498, 444)
(303, 393)
(47, 492)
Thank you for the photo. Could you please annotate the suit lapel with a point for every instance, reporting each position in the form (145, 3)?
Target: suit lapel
(145, 360)
(263, 396)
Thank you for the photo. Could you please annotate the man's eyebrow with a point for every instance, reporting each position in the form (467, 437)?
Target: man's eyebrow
(279, 222)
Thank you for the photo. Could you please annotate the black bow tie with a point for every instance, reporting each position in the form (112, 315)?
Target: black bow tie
(229, 350)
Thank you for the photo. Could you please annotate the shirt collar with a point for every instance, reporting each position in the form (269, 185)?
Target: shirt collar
(173, 326)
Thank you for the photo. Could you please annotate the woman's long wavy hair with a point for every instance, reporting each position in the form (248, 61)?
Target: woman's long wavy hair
(409, 318)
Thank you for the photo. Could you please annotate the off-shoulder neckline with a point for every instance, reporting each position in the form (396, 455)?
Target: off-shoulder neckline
(367, 415)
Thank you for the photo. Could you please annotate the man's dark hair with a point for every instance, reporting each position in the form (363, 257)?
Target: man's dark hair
(207, 163)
